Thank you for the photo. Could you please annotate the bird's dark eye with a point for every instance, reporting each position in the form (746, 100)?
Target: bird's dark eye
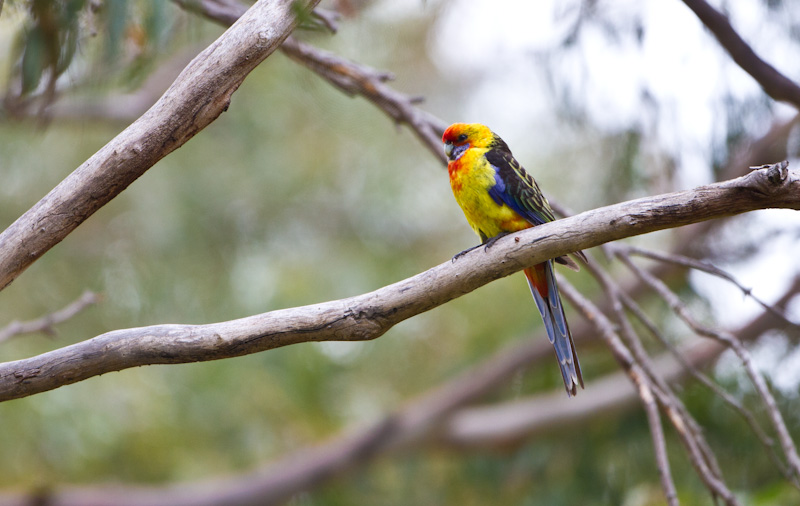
(462, 137)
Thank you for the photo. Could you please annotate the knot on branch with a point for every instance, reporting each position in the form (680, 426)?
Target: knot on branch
(365, 323)
(776, 172)
(774, 182)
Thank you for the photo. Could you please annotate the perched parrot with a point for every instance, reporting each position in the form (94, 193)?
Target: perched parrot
(499, 197)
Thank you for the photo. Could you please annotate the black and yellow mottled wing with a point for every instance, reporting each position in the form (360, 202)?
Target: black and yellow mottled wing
(518, 190)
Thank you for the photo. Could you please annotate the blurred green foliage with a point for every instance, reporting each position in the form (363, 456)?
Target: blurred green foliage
(97, 40)
(49, 40)
(298, 194)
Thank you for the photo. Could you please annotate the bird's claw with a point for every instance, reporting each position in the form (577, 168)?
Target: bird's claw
(459, 255)
(486, 245)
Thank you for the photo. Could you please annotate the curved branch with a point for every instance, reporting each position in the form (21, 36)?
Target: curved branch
(433, 418)
(370, 315)
(197, 97)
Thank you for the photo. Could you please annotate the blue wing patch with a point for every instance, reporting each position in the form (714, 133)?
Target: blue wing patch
(529, 203)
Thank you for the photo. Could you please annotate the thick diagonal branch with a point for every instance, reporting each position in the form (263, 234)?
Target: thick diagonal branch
(197, 97)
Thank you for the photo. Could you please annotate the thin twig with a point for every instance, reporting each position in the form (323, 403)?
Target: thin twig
(746, 414)
(659, 443)
(703, 266)
(47, 322)
(667, 397)
(787, 444)
(328, 18)
(626, 360)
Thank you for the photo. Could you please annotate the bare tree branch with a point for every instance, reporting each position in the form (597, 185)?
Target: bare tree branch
(699, 265)
(775, 84)
(729, 399)
(197, 97)
(513, 421)
(730, 340)
(692, 438)
(45, 323)
(370, 315)
(428, 419)
(659, 442)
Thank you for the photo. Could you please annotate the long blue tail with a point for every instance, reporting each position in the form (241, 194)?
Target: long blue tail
(542, 283)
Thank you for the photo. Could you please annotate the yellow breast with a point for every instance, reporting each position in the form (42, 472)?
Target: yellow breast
(471, 178)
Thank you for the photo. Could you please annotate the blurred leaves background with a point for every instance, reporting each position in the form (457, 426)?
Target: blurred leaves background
(299, 194)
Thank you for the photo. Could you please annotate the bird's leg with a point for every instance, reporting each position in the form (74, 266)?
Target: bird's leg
(459, 255)
(490, 241)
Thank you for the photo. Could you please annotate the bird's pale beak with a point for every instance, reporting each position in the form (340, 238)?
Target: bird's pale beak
(448, 148)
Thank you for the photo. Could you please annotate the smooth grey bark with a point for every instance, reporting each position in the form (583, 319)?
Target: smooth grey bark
(370, 315)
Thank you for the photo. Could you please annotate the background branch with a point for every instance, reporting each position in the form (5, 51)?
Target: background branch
(684, 261)
(350, 77)
(735, 344)
(46, 323)
(774, 83)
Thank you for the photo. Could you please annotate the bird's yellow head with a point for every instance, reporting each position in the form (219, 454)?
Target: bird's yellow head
(459, 137)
